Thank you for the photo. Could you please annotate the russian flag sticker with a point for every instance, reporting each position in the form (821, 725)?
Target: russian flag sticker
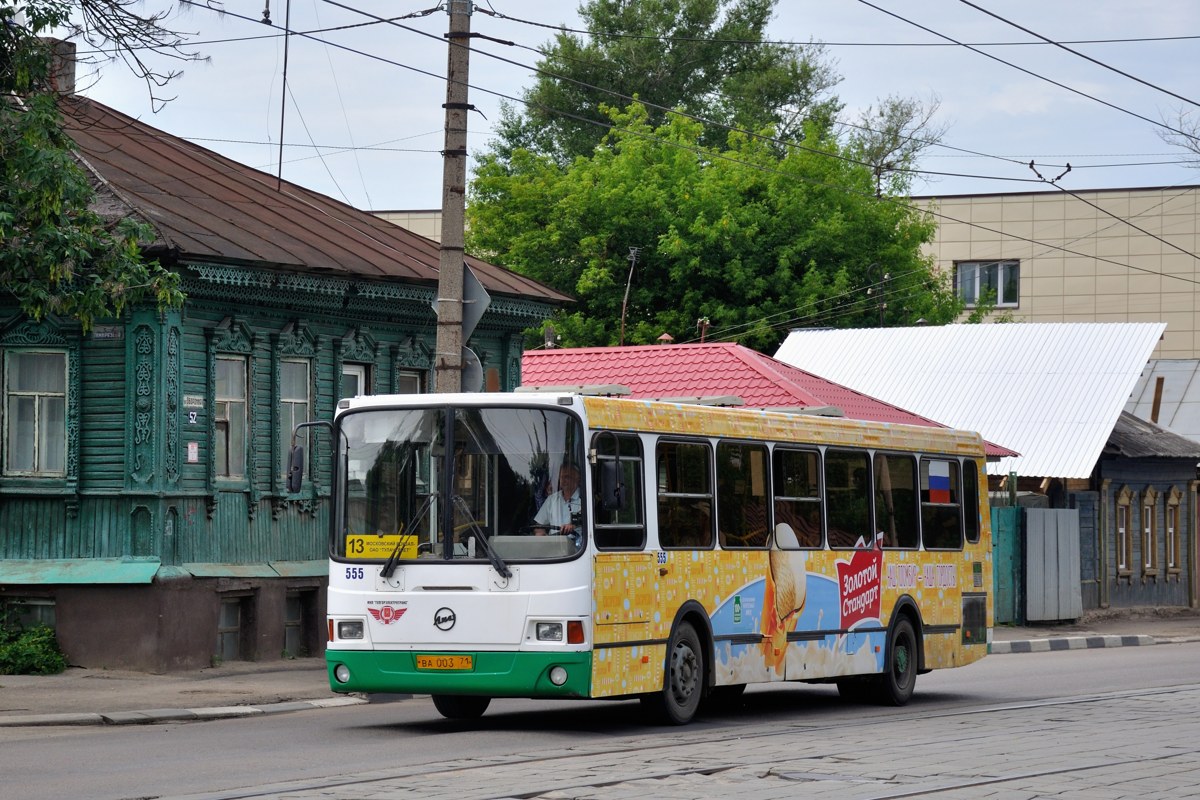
(939, 482)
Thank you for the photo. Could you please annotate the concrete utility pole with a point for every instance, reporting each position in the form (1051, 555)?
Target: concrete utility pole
(448, 361)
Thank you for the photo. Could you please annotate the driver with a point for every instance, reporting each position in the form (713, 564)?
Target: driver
(560, 507)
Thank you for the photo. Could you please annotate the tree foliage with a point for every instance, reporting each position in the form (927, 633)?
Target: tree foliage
(751, 238)
(57, 256)
(706, 56)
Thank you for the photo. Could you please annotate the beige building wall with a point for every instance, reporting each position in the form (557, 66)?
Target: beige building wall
(1113, 255)
(422, 223)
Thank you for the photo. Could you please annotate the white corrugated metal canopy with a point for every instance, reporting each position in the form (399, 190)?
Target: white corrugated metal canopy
(1050, 391)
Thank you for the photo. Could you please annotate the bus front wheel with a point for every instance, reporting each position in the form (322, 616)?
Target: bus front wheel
(683, 681)
(460, 706)
(899, 676)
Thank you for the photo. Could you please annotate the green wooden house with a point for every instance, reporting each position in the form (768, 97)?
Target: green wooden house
(142, 503)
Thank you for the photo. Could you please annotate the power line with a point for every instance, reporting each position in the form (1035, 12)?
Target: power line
(1097, 62)
(721, 156)
(769, 42)
(1029, 72)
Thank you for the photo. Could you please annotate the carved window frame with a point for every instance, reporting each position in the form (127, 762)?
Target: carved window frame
(295, 343)
(357, 350)
(1149, 528)
(412, 358)
(1124, 532)
(49, 335)
(232, 337)
(1171, 533)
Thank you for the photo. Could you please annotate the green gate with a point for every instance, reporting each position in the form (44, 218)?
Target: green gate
(1006, 559)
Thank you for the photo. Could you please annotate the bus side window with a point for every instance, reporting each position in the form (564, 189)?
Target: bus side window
(621, 528)
(971, 500)
(896, 501)
(941, 505)
(848, 499)
(743, 518)
(684, 495)
(797, 483)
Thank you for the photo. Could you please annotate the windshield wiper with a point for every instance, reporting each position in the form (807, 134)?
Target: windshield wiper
(393, 560)
(481, 537)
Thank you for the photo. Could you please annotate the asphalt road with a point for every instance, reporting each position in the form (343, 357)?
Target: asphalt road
(1091, 723)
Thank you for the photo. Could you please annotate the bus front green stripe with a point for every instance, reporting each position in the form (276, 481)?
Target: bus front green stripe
(495, 674)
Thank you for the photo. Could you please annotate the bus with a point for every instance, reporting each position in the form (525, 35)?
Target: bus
(697, 549)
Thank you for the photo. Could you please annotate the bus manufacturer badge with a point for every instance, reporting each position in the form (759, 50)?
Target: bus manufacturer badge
(387, 614)
(444, 619)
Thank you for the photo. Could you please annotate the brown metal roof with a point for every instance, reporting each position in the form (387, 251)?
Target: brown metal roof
(207, 207)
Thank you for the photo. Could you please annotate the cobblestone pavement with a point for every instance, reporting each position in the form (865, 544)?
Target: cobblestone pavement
(1067, 750)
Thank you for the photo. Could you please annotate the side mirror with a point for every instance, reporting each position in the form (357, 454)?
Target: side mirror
(295, 472)
(612, 487)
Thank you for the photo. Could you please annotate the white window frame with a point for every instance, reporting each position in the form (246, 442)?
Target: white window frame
(362, 375)
(1150, 532)
(967, 280)
(287, 421)
(38, 397)
(229, 402)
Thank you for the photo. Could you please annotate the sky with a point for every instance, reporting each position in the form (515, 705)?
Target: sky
(364, 119)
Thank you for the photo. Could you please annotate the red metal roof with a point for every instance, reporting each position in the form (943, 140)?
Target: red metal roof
(721, 368)
(210, 208)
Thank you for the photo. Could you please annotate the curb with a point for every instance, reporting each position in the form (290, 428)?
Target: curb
(1068, 643)
(163, 715)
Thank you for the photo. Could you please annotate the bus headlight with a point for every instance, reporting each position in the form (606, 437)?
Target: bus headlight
(350, 629)
(558, 676)
(341, 673)
(549, 632)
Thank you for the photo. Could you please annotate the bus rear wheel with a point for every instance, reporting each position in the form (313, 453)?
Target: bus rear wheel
(460, 706)
(899, 677)
(683, 681)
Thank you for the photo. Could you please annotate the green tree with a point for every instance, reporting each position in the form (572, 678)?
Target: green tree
(57, 255)
(706, 56)
(753, 238)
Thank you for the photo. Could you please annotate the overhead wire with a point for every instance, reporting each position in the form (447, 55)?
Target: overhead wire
(1029, 72)
(1074, 52)
(738, 161)
(491, 11)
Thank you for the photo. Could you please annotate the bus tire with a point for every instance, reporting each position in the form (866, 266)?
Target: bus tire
(460, 706)
(683, 679)
(899, 677)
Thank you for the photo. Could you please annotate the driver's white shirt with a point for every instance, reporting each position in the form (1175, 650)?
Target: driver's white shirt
(557, 511)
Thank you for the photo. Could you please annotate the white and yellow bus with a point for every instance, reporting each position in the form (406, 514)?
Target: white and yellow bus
(712, 548)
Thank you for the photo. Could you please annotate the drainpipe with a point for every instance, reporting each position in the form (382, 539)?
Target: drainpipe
(1102, 540)
(1194, 521)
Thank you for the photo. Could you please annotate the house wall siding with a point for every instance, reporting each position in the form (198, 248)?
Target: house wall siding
(1160, 587)
(143, 483)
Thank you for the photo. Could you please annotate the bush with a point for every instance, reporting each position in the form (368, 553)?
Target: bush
(30, 651)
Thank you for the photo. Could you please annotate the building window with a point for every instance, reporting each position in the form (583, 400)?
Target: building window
(35, 410)
(1171, 532)
(1149, 532)
(229, 445)
(988, 281)
(294, 404)
(355, 380)
(409, 382)
(1124, 534)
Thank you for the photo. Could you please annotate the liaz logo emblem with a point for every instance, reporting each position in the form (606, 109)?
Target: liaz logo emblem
(444, 619)
(387, 614)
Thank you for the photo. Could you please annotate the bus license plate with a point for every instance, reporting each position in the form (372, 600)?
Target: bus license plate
(445, 662)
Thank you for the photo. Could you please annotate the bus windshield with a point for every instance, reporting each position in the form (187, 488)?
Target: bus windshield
(512, 492)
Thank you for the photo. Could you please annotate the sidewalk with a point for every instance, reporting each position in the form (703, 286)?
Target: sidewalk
(238, 689)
